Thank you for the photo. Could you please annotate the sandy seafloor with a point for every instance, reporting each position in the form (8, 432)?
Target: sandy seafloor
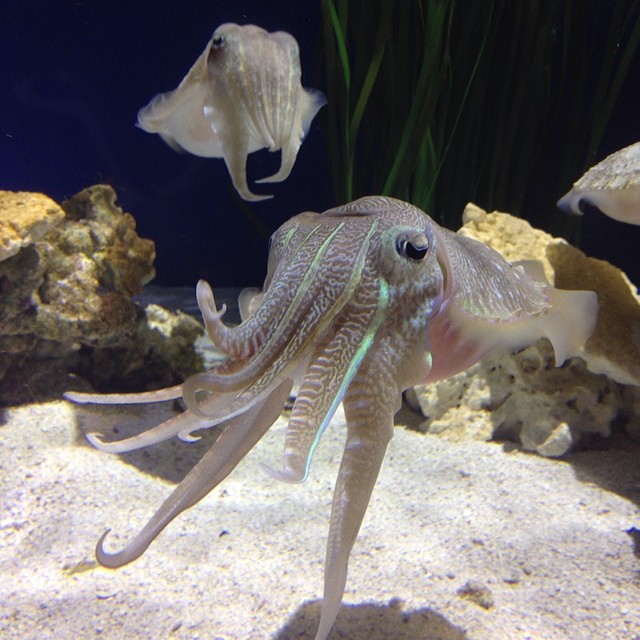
(553, 542)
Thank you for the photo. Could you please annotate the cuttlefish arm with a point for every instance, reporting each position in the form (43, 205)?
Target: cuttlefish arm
(310, 102)
(369, 405)
(219, 408)
(333, 365)
(236, 146)
(144, 397)
(239, 436)
(309, 302)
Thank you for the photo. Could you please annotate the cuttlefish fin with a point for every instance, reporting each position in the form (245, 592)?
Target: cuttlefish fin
(572, 318)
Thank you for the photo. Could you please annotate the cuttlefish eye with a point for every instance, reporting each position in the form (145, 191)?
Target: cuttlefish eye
(414, 247)
(218, 41)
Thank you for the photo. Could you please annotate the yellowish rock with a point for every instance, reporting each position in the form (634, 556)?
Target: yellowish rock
(68, 275)
(24, 218)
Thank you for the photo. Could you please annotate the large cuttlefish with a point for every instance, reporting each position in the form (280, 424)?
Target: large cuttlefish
(359, 303)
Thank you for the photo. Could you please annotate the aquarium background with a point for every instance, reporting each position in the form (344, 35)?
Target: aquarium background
(74, 75)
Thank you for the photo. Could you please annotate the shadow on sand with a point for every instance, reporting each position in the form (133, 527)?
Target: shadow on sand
(371, 621)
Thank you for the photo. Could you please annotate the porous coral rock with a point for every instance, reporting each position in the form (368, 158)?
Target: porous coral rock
(67, 278)
(523, 397)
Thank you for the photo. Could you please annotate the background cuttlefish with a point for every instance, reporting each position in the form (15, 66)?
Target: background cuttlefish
(360, 302)
(613, 186)
(242, 94)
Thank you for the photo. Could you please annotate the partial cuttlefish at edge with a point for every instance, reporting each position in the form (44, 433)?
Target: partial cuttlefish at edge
(360, 303)
(612, 186)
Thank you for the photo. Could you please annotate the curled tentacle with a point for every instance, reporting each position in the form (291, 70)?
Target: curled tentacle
(239, 436)
(222, 336)
(181, 426)
(243, 341)
(214, 410)
(219, 407)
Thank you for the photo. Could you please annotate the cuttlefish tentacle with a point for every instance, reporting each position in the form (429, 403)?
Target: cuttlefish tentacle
(181, 425)
(219, 408)
(369, 410)
(145, 397)
(212, 411)
(238, 438)
(289, 155)
(235, 147)
(333, 365)
(278, 305)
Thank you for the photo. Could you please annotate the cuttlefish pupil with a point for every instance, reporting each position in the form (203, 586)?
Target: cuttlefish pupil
(359, 304)
(415, 247)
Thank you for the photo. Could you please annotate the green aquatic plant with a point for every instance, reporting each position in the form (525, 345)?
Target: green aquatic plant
(381, 89)
(502, 103)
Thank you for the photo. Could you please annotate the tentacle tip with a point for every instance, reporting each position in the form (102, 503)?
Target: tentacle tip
(114, 560)
(101, 555)
(204, 294)
(187, 437)
(95, 440)
(207, 302)
(284, 475)
(249, 196)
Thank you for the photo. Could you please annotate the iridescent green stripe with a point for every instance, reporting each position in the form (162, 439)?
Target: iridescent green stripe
(352, 368)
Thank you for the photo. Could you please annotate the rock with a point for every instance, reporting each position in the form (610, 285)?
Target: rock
(68, 275)
(24, 219)
(524, 397)
(478, 592)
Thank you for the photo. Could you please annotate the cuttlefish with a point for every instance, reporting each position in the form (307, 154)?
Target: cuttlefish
(612, 186)
(243, 93)
(359, 303)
